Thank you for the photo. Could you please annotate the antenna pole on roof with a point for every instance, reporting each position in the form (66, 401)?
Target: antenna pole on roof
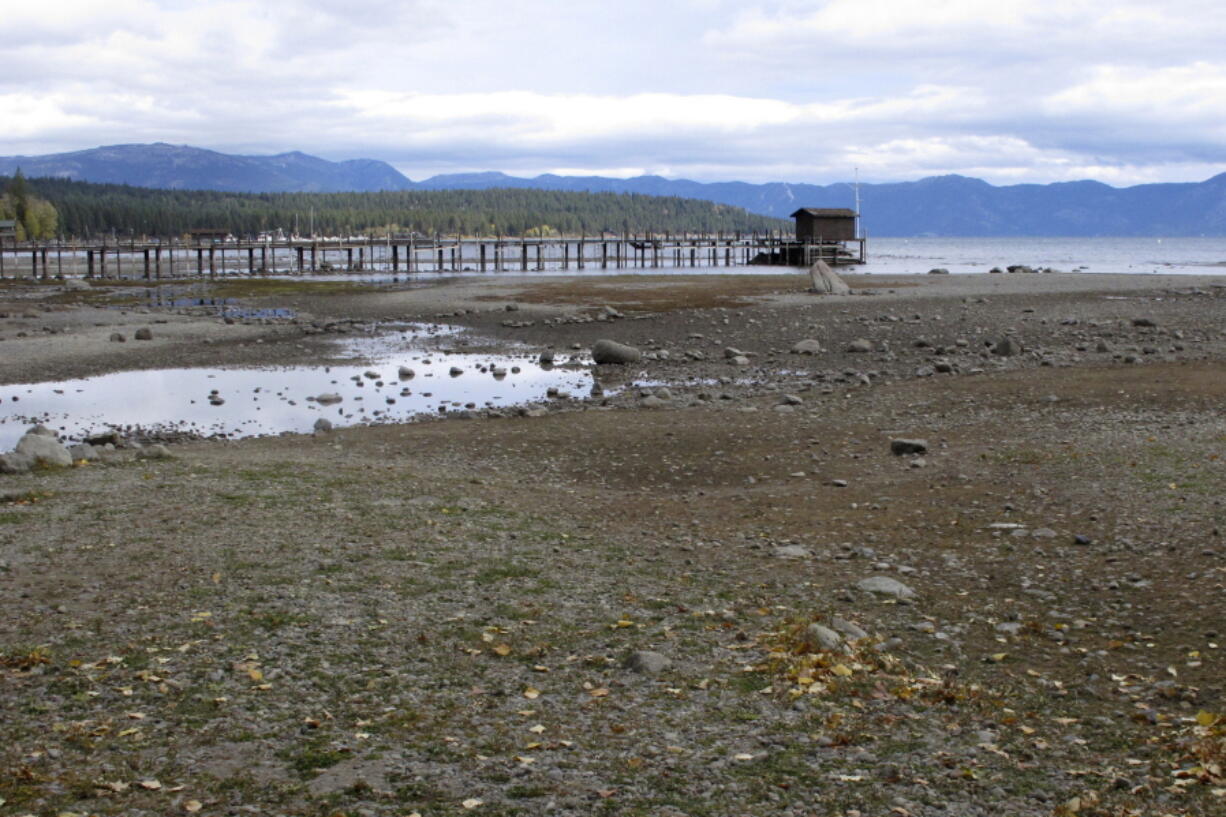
(857, 202)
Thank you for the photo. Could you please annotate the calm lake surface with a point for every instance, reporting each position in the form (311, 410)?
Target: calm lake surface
(1145, 256)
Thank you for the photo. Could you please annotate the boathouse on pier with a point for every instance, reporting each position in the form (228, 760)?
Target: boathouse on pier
(825, 224)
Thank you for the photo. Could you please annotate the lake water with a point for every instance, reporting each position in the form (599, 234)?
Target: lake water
(270, 400)
(1145, 256)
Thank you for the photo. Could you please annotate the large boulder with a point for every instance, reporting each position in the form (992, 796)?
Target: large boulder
(610, 351)
(825, 281)
(43, 449)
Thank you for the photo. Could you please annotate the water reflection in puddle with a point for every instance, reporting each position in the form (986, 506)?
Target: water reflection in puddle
(261, 401)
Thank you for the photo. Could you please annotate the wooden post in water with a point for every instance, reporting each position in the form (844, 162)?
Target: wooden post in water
(148, 266)
(212, 262)
(89, 263)
(604, 255)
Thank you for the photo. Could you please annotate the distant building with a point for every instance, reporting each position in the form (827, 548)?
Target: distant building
(205, 234)
(825, 224)
(8, 231)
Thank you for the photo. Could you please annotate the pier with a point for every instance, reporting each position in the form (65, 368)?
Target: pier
(153, 259)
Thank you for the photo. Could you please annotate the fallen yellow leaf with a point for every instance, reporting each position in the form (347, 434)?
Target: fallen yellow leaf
(503, 650)
(193, 806)
(532, 693)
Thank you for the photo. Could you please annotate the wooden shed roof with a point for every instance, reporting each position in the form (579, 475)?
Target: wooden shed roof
(825, 212)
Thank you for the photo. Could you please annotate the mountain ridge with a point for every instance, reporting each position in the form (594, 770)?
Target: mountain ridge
(947, 205)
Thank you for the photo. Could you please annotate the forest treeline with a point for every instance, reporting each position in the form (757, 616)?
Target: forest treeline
(90, 210)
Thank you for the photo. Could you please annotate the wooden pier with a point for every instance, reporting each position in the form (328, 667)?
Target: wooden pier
(153, 259)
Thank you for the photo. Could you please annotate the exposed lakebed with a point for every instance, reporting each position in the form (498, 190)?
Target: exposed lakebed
(395, 377)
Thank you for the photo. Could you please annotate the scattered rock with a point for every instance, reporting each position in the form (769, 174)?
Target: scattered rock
(328, 398)
(118, 337)
(902, 447)
(323, 425)
(611, 352)
(807, 347)
(1007, 347)
(153, 452)
(42, 449)
(824, 637)
(647, 662)
(886, 586)
(792, 552)
(860, 346)
(144, 333)
(15, 463)
(852, 631)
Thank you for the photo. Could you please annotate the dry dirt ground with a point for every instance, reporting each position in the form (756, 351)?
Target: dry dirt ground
(435, 618)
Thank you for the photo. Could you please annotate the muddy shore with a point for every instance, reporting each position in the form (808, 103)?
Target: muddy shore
(605, 604)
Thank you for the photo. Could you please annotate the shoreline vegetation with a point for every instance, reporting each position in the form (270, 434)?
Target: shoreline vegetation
(88, 209)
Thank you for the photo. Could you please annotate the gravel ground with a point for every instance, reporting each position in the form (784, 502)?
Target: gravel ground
(608, 606)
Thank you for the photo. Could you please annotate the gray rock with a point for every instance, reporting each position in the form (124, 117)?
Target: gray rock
(546, 357)
(118, 337)
(901, 447)
(739, 360)
(791, 400)
(328, 398)
(153, 452)
(405, 373)
(606, 352)
(455, 371)
(83, 451)
(651, 401)
(43, 450)
(15, 463)
(938, 271)
(792, 552)
(144, 333)
(852, 631)
(731, 352)
(824, 637)
(76, 284)
(825, 281)
(1007, 347)
(647, 662)
(807, 347)
(1010, 627)
(860, 346)
(322, 425)
(886, 586)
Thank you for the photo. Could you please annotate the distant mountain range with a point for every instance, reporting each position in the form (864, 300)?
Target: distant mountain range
(942, 205)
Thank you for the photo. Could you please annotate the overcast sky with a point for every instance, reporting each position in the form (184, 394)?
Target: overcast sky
(778, 90)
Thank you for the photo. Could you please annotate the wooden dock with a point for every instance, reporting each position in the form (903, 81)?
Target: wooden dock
(153, 259)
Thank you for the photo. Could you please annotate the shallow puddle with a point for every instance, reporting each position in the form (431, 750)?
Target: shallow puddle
(244, 402)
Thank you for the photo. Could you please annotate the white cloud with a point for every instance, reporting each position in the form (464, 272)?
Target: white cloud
(713, 89)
